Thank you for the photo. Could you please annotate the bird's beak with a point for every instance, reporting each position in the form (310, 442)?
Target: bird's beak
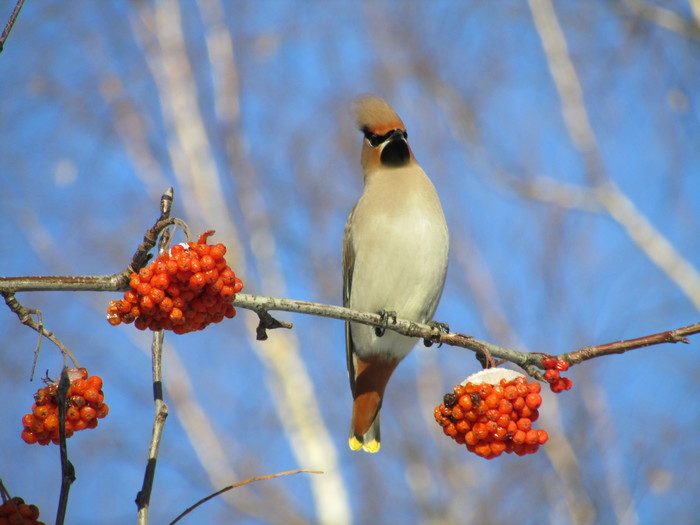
(397, 134)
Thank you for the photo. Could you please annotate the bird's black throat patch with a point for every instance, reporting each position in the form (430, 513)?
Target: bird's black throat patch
(395, 154)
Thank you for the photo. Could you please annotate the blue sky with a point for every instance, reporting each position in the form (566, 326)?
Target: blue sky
(91, 138)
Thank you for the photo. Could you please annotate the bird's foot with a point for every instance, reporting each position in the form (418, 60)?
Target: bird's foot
(386, 316)
(438, 328)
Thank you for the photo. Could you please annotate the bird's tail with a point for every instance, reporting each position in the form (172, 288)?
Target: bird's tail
(362, 436)
(370, 381)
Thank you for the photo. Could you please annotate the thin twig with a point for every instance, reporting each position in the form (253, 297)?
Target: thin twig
(10, 23)
(143, 498)
(25, 317)
(240, 483)
(671, 336)
(37, 349)
(4, 494)
(142, 255)
(67, 468)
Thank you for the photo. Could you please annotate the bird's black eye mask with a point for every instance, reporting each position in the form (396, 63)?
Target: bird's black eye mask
(375, 140)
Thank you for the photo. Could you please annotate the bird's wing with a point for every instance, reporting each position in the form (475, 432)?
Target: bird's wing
(348, 266)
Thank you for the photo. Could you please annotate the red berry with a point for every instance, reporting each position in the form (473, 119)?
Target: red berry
(549, 362)
(72, 413)
(531, 437)
(208, 262)
(533, 400)
(102, 411)
(551, 376)
(217, 251)
(51, 422)
(227, 293)
(91, 395)
(87, 413)
(230, 311)
(41, 412)
(524, 424)
(95, 382)
(145, 274)
(29, 437)
(197, 281)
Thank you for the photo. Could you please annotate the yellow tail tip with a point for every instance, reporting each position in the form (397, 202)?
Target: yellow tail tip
(355, 444)
(371, 446)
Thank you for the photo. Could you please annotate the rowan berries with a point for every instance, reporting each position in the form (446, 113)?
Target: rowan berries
(183, 291)
(15, 510)
(492, 412)
(552, 375)
(85, 405)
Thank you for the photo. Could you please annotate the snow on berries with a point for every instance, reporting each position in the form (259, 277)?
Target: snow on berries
(184, 290)
(85, 405)
(492, 412)
(15, 510)
(552, 374)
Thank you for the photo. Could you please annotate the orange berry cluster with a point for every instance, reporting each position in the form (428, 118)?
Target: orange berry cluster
(552, 375)
(491, 419)
(85, 406)
(15, 511)
(183, 291)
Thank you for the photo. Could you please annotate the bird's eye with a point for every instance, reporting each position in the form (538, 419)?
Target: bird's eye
(374, 140)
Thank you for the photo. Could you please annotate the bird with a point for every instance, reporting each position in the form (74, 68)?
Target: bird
(395, 252)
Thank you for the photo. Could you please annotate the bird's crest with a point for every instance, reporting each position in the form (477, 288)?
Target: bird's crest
(375, 115)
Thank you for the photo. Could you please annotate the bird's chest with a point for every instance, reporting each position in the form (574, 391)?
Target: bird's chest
(401, 256)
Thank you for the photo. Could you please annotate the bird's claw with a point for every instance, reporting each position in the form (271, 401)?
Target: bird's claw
(386, 316)
(438, 328)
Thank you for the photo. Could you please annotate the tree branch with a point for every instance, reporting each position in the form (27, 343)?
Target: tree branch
(530, 362)
(10, 23)
(671, 336)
